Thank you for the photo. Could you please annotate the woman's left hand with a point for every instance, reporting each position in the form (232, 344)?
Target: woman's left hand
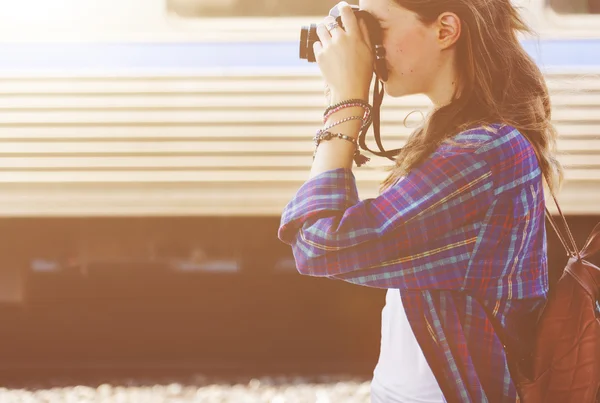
(345, 57)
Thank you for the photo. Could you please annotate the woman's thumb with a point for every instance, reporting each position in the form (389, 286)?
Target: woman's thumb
(365, 33)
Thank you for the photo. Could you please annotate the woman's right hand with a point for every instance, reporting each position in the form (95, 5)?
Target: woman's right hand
(345, 57)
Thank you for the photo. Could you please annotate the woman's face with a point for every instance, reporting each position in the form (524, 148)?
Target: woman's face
(413, 54)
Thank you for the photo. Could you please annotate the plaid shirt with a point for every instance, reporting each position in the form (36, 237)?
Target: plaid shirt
(462, 237)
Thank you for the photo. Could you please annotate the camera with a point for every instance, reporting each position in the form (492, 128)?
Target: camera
(308, 36)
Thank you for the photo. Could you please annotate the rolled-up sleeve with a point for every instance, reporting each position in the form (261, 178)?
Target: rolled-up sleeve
(418, 234)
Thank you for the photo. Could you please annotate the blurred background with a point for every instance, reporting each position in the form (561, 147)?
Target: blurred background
(147, 149)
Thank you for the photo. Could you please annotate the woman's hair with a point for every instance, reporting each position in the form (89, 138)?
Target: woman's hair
(498, 83)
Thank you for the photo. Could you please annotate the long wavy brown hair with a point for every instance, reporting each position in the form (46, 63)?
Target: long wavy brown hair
(498, 83)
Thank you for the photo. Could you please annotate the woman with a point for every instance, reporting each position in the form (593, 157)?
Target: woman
(457, 235)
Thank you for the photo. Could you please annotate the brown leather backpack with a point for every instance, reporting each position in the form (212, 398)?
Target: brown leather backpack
(565, 361)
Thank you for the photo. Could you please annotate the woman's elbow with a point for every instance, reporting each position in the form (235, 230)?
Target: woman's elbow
(307, 264)
(304, 264)
(303, 267)
(311, 259)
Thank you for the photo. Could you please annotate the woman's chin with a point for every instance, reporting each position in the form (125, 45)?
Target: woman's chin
(392, 90)
(387, 89)
(396, 91)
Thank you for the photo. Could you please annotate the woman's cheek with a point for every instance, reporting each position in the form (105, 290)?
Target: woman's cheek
(397, 63)
(398, 54)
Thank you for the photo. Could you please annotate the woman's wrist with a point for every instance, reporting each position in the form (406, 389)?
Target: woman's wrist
(350, 128)
(349, 116)
(337, 146)
(338, 98)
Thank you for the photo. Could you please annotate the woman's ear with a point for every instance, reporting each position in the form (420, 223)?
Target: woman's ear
(448, 29)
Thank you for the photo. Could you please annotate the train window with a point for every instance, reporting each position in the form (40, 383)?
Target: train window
(576, 6)
(249, 8)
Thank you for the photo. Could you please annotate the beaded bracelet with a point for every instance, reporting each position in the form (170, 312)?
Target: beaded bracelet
(327, 135)
(323, 135)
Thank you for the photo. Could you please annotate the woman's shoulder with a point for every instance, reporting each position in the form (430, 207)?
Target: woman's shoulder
(497, 142)
(508, 153)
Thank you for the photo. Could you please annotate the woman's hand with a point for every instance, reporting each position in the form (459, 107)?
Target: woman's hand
(345, 57)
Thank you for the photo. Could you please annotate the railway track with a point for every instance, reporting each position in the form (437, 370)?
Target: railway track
(192, 388)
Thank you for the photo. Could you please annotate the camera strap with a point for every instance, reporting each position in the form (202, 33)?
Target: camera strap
(378, 94)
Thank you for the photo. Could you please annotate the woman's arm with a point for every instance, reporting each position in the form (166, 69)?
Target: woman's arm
(399, 239)
(346, 59)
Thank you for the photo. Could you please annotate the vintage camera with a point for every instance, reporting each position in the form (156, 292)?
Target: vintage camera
(308, 36)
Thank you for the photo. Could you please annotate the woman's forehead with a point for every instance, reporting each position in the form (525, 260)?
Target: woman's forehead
(370, 5)
(380, 9)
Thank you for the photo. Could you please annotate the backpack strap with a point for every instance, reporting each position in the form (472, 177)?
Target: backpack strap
(572, 250)
(569, 243)
(592, 246)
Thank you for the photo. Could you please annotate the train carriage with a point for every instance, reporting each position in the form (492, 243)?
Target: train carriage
(159, 109)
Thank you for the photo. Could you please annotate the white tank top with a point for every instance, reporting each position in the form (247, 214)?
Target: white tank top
(402, 374)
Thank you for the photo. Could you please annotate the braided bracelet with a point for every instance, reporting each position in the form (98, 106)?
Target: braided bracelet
(366, 115)
(323, 135)
(360, 102)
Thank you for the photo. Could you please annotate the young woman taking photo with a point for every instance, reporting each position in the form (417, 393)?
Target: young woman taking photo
(457, 234)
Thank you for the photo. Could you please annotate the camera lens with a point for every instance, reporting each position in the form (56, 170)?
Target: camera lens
(303, 42)
(308, 36)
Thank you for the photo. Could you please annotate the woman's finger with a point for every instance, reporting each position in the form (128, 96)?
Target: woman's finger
(333, 27)
(348, 19)
(323, 34)
(317, 48)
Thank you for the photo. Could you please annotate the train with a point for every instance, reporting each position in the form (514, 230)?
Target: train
(168, 109)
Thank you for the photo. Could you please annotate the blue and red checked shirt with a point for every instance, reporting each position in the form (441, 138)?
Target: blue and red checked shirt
(462, 237)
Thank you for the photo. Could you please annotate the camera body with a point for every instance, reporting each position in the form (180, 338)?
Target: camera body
(308, 36)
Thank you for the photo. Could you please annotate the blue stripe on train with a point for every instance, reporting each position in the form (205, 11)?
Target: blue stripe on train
(583, 54)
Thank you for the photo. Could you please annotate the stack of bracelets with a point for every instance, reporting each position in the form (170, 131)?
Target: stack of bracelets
(325, 134)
